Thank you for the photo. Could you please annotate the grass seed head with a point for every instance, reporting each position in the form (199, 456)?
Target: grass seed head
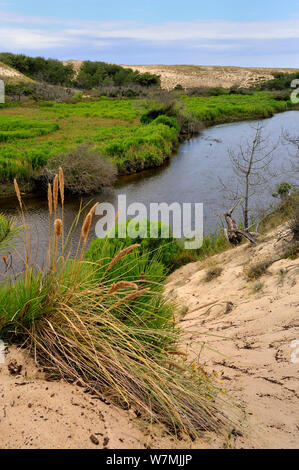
(55, 192)
(122, 285)
(58, 227)
(92, 210)
(50, 199)
(86, 226)
(61, 184)
(121, 254)
(18, 193)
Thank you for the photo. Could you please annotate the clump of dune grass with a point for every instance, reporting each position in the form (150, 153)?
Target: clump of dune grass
(292, 252)
(257, 270)
(86, 322)
(213, 273)
(257, 287)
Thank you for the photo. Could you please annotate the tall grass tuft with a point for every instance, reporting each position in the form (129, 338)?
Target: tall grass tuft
(116, 334)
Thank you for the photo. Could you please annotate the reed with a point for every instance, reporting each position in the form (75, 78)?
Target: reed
(61, 188)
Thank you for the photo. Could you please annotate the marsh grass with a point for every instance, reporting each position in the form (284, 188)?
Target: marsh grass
(86, 322)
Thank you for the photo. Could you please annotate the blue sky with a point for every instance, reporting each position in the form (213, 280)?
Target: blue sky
(227, 32)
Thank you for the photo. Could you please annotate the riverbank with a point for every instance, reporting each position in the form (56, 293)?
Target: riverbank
(253, 328)
(113, 127)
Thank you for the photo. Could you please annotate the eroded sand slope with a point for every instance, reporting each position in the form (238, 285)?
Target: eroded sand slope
(190, 76)
(253, 329)
(255, 324)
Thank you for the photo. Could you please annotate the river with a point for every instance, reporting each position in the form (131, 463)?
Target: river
(192, 175)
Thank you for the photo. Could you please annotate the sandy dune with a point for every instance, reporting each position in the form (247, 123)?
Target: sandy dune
(258, 330)
(253, 330)
(190, 76)
(10, 75)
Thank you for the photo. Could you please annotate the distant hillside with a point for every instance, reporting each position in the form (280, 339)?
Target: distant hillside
(190, 76)
(86, 75)
(11, 76)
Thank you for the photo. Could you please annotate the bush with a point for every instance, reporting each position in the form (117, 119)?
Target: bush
(284, 191)
(281, 81)
(213, 273)
(257, 270)
(48, 70)
(163, 250)
(98, 74)
(85, 171)
(167, 121)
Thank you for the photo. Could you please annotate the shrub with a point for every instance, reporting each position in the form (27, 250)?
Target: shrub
(85, 171)
(167, 121)
(213, 273)
(257, 270)
(99, 74)
(163, 250)
(48, 70)
(257, 287)
(281, 81)
(284, 191)
(292, 252)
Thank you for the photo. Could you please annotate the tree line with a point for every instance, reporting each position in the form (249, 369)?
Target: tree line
(91, 74)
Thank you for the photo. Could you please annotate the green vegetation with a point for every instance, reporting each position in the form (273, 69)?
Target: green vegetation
(213, 273)
(8, 234)
(291, 252)
(133, 134)
(97, 74)
(257, 287)
(226, 108)
(95, 322)
(41, 69)
(12, 128)
(91, 74)
(283, 192)
(163, 250)
(85, 171)
(257, 270)
(282, 81)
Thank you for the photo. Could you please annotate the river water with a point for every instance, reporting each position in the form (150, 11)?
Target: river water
(190, 176)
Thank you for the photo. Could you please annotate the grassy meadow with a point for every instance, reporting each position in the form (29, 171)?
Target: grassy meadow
(33, 132)
(227, 108)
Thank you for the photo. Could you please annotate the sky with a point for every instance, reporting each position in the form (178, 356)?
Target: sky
(253, 33)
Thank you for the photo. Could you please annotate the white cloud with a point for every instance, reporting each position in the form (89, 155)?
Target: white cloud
(44, 32)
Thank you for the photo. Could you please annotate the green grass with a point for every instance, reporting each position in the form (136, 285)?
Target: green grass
(226, 108)
(104, 324)
(32, 133)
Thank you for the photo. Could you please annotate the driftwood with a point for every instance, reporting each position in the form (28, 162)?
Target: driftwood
(233, 233)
